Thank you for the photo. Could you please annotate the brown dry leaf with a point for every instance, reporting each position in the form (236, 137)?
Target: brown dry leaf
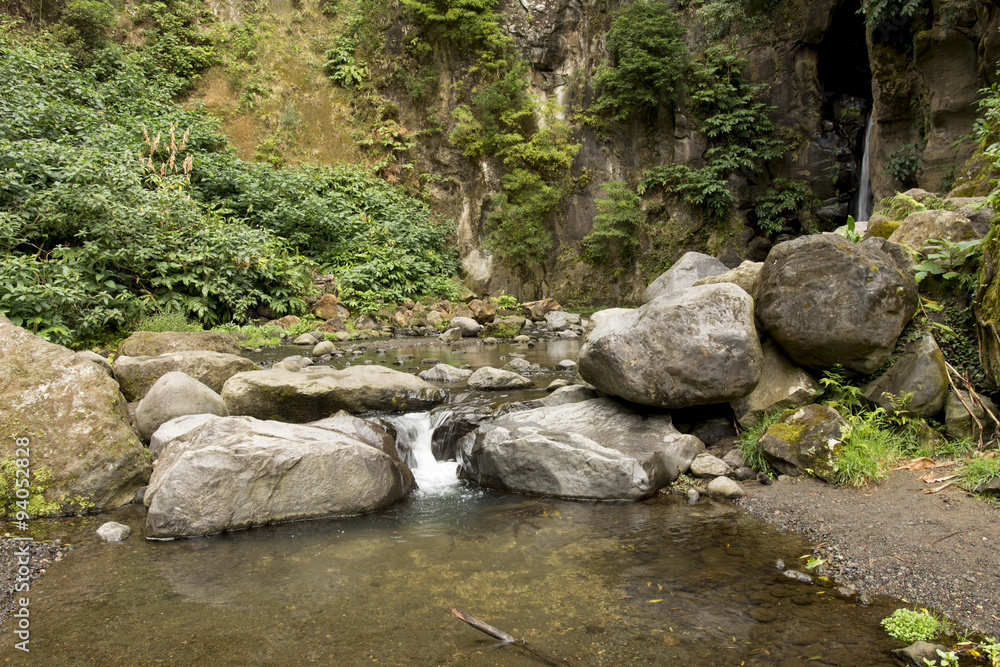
(930, 479)
(943, 486)
(921, 463)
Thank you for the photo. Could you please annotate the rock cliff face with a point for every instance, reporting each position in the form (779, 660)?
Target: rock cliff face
(824, 74)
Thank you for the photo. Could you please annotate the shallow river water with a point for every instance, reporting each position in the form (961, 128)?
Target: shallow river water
(659, 582)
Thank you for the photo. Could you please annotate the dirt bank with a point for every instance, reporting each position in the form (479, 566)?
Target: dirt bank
(939, 550)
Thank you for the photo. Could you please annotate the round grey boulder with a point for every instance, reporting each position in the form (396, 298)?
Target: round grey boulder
(488, 378)
(829, 301)
(175, 395)
(113, 532)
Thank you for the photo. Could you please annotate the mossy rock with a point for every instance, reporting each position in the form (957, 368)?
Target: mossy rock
(806, 441)
(883, 229)
(507, 327)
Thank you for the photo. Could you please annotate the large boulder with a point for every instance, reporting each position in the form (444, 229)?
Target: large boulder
(319, 392)
(506, 327)
(686, 348)
(746, 276)
(329, 307)
(961, 423)
(152, 344)
(488, 378)
(920, 226)
(536, 310)
(782, 385)
(137, 374)
(829, 301)
(444, 373)
(238, 472)
(689, 269)
(69, 415)
(806, 440)
(483, 311)
(596, 449)
(176, 395)
(916, 384)
(560, 320)
(468, 326)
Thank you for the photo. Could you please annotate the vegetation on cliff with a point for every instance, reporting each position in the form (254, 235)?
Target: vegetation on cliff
(115, 201)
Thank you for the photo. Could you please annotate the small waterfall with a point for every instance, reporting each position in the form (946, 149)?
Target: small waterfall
(414, 431)
(863, 210)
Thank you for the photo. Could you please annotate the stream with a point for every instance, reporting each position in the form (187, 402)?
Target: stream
(658, 582)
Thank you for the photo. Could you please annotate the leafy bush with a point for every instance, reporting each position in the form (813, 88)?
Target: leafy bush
(902, 164)
(647, 45)
(106, 213)
(910, 626)
(617, 226)
(166, 321)
(783, 200)
(720, 16)
(341, 66)
(173, 42)
(878, 12)
(737, 123)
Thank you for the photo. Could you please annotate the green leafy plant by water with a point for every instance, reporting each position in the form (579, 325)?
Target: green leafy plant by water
(750, 451)
(910, 626)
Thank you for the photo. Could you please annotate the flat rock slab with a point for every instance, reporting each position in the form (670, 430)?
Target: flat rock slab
(237, 472)
(319, 392)
(153, 343)
(136, 375)
(596, 449)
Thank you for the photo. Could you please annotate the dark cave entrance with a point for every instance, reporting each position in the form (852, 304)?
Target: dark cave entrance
(845, 78)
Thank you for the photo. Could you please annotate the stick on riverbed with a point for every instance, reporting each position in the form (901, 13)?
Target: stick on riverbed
(496, 633)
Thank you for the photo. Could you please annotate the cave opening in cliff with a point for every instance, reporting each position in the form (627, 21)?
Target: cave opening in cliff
(845, 78)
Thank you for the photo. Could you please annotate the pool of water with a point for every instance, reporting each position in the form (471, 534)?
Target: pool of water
(659, 582)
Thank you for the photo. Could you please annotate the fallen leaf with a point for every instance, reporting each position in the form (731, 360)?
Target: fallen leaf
(943, 486)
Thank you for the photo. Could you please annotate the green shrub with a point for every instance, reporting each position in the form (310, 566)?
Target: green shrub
(618, 226)
(742, 136)
(166, 321)
(647, 46)
(173, 41)
(882, 11)
(903, 163)
(783, 200)
(341, 66)
(910, 626)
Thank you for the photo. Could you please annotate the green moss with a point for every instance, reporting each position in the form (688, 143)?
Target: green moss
(884, 228)
(39, 481)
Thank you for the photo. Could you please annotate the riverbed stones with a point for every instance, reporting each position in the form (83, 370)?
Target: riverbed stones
(828, 301)
(917, 384)
(597, 449)
(682, 349)
(468, 326)
(805, 440)
(175, 428)
(488, 378)
(174, 395)
(73, 418)
(536, 310)
(519, 365)
(151, 344)
(137, 374)
(306, 339)
(318, 392)
(113, 532)
(706, 465)
(451, 334)
(560, 320)
(689, 269)
(445, 373)
(782, 385)
(505, 327)
(238, 472)
(723, 487)
(323, 347)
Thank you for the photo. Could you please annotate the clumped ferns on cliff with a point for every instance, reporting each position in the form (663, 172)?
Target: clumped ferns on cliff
(647, 44)
(877, 12)
(735, 120)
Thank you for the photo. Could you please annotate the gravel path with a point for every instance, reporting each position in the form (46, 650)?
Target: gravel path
(939, 550)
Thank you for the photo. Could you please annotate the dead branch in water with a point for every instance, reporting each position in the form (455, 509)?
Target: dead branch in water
(496, 633)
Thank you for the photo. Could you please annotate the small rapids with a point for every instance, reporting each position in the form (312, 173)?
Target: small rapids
(414, 432)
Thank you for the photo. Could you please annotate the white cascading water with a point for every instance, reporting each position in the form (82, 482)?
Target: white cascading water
(863, 210)
(414, 431)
